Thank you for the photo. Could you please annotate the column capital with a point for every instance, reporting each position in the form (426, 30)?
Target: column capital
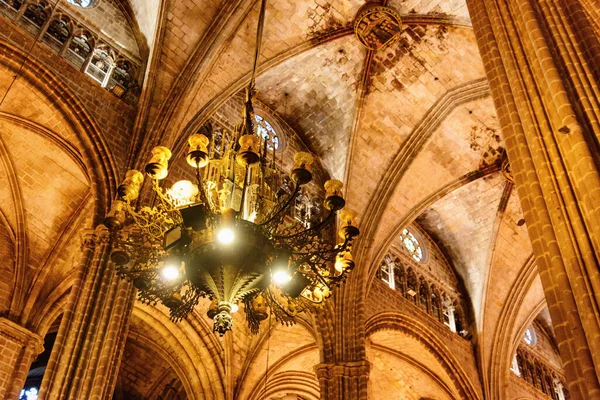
(92, 237)
(23, 336)
(343, 369)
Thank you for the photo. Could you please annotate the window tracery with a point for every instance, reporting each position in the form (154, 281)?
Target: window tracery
(425, 294)
(82, 3)
(412, 244)
(35, 16)
(265, 131)
(11, 5)
(100, 66)
(71, 40)
(80, 49)
(532, 370)
(58, 33)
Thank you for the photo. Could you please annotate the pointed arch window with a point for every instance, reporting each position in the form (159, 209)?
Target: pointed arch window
(35, 17)
(100, 66)
(57, 34)
(80, 49)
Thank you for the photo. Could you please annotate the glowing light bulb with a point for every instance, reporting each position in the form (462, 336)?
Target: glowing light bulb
(184, 192)
(281, 277)
(234, 307)
(170, 272)
(225, 236)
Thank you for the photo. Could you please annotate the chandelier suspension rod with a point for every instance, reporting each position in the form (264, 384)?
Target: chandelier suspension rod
(259, 34)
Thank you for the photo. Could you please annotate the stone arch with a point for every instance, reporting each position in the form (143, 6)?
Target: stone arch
(97, 158)
(415, 329)
(206, 375)
(419, 366)
(505, 342)
(298, 383)
(28, 283)
(256, 378)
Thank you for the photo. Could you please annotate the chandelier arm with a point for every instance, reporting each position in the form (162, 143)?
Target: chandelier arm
(311, 229)
(273, 301)
(285, 206)
(143, 222)
(306, 261)
(165, 202)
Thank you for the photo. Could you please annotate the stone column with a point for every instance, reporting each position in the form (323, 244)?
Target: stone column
(343, 380)
(91, 338)
(18, 349)
(541, 59)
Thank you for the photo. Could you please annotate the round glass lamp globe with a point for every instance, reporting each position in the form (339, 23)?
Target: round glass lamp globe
(184, 190)
(170, 272)
(225, 236)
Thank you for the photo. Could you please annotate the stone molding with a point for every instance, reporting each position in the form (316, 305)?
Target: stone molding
(18, 334)
(349, 369)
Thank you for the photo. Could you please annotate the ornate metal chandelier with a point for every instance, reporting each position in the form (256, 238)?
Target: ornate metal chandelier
(230, 235)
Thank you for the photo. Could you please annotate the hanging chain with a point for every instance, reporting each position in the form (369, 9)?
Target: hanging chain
(259, 34)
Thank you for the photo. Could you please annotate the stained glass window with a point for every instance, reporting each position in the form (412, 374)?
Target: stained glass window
(266, 131)
(412, 245)
(29, 394)
(529, 337)
(82, 3)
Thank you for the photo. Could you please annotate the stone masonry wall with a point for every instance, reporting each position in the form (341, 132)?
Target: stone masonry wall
(113, 117)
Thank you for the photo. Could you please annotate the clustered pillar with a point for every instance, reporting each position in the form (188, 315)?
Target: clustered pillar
(343, 380)
(90, 342)
(541, 59)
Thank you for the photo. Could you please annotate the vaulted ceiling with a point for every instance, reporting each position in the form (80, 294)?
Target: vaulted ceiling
(411, 129)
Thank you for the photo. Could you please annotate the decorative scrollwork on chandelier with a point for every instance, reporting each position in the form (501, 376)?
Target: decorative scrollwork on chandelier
(232, 236)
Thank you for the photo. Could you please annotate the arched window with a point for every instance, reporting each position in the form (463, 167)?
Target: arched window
(399, 277)
(387, 271)
(530, 337)
(10, 7)
(57, 34)
(411, 286)
(412, 245)
(80, 49)
(423, 296)
(435, 303)
(458, 319)
(82, 3)
(100, 66)
(121, 78)
(266, 131)
(35, 17)
(449, 314)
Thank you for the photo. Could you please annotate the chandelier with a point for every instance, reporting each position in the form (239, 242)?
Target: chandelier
(231, 235)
